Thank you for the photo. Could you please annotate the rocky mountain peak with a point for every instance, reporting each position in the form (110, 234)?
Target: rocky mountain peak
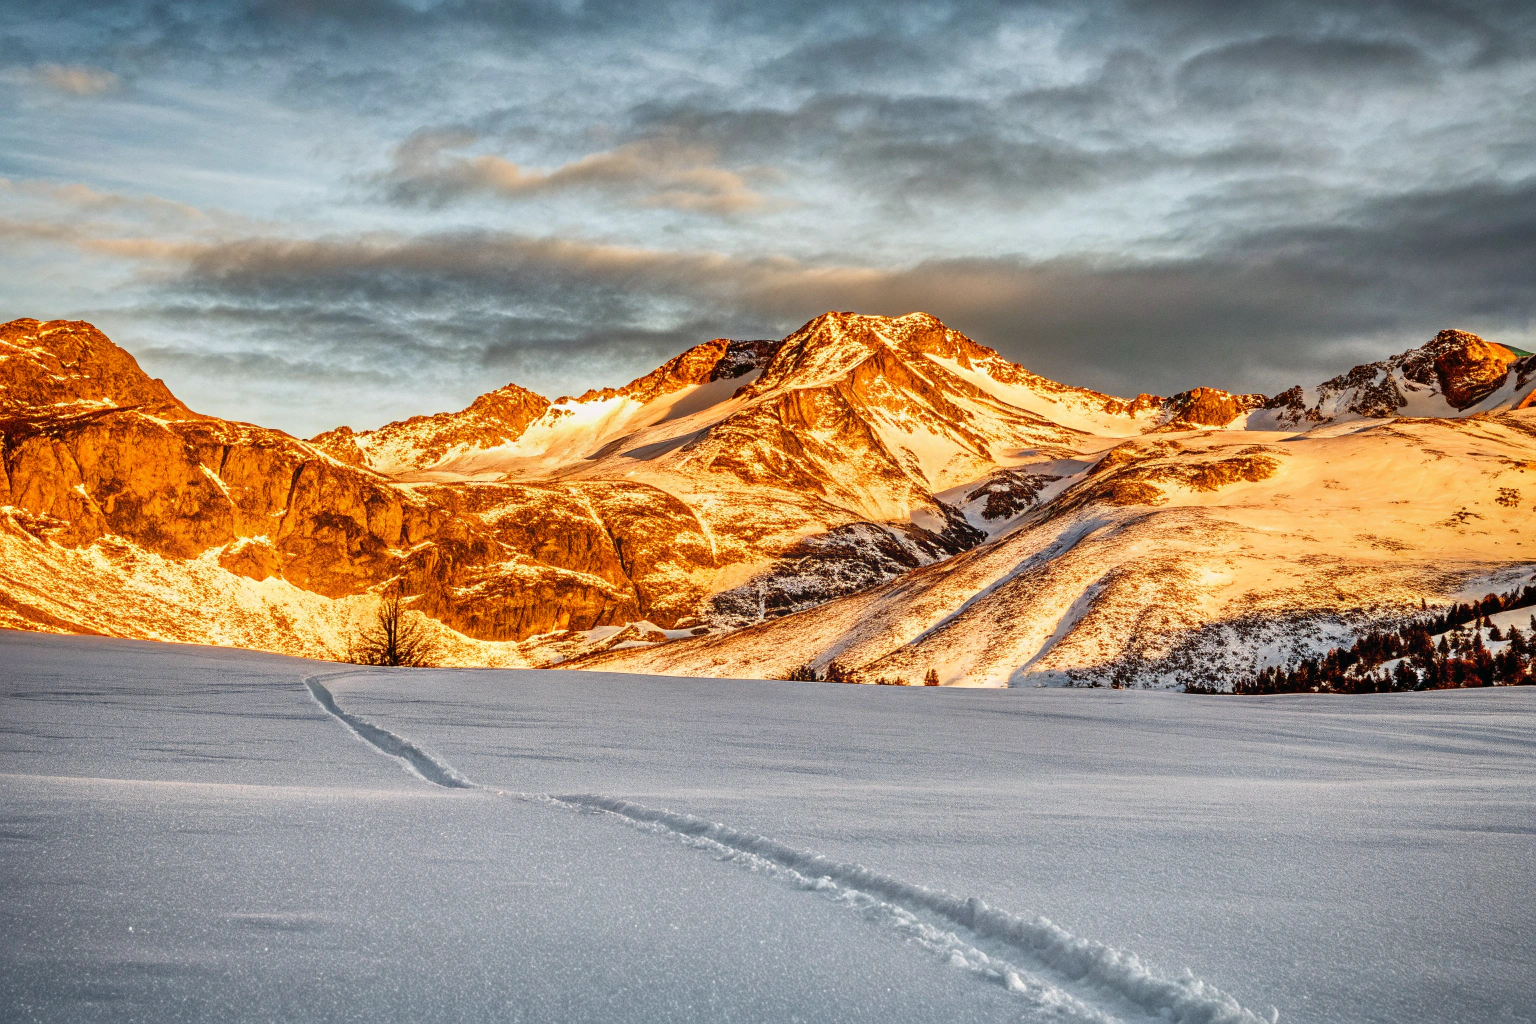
(69, 366)
(495, 418)
(833, 344)
(510, 403)
(1208, 407)
(718, 359)
(1454, 372)
(1466, 367)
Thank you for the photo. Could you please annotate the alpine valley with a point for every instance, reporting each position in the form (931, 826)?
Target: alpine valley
(880, 492)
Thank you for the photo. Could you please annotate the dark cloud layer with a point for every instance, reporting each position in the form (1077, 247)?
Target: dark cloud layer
(1404, 266)
(420, 197)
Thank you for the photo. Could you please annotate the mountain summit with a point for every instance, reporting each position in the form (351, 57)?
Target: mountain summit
(881, 491)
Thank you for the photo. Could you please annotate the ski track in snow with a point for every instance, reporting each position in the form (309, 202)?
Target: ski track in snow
(1111, 985)
(416, 760)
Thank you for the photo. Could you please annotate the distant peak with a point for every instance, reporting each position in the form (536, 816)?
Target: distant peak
(1461, 367)
(1467, 367)
(850, 321)
(1451, 338)
(717, 359)
(835, 342)
(1209, 407)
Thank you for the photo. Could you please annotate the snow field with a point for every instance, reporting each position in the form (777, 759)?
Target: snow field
(891, 901)
(1340, 859)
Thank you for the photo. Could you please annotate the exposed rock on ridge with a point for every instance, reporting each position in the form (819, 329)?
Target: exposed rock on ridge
(1454, 373)
(496, 418)
(720, 359)
(69, 363)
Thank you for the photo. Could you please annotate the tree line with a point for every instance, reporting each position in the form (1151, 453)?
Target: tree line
(835, 673)
(1461, 658)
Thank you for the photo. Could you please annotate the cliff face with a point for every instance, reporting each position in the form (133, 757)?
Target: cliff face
(136, 466)
(738, 483)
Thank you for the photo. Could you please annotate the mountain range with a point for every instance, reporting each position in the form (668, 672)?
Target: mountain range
(879, 492)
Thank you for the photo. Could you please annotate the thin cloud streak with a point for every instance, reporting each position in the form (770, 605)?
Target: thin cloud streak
(652, 172)
(75, 79)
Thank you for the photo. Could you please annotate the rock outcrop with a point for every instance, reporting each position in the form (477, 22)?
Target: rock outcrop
(68, 365)
(1467, 368)
(1207, 407)
(1454, 373)
(720, 359)
(496, 418)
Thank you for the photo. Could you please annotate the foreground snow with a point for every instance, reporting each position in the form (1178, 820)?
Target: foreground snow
(199, 834)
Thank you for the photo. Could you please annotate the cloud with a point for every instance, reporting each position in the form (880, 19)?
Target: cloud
(1129, 194)
(1258, 310)
(133, 228)
(651, 172)
(75, 79)
(581, 285)
(859, 61)
(76, 198)
(1288, 67)
(1018, 151)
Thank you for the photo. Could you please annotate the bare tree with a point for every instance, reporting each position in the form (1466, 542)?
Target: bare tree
(395, 636)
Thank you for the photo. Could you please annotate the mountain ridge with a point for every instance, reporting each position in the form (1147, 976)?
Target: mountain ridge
(740, 484)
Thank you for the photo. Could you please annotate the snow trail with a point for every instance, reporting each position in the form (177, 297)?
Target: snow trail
(1114, 972)
(416, 760)
(994, 939)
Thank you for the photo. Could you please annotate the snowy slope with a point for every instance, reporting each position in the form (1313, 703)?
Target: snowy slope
(1180, 558)
(199, 835)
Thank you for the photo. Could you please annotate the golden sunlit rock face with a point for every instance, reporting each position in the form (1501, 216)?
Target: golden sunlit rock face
(1469, 368)
(863, 470)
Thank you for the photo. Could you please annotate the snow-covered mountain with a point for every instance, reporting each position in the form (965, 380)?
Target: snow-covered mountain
(1456, 374)
(883, 492)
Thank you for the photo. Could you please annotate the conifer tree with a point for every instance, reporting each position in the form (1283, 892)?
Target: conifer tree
(837, 674)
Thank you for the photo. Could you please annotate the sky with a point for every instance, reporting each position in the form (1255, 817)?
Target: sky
(312, 212)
